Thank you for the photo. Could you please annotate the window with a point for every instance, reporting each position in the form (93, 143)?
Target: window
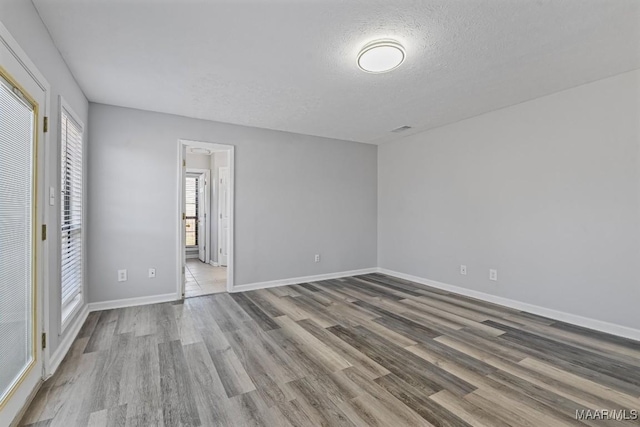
(71, 225)
(191, 210)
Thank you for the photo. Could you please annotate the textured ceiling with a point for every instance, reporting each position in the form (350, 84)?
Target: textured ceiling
(291, 65)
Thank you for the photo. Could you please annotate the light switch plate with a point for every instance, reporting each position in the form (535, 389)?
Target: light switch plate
(52, 196)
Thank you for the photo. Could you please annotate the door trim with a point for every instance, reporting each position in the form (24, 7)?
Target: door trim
(179, 210)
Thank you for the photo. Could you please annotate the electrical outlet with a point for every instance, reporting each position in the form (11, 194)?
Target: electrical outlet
(317, 258)
(152, 273)
(122, 275)
(463, 270)
(493, 275)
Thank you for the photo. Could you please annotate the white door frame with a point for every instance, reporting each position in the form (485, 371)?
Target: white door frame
(207, 208)
(181, 163)
(16, 408)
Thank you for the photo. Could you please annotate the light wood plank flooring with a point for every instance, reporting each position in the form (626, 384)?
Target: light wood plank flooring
(369, 351)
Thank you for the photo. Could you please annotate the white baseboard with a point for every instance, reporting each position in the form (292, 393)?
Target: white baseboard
(131, 302)
(585, 322)
(298, 280)
(64, 345)
(213, 263)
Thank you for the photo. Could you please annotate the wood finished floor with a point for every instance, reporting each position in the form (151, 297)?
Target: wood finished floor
(368, 350)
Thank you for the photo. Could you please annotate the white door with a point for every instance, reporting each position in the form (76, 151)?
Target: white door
(183, 214)
(223, 215)
(202, 217)
(22, 107)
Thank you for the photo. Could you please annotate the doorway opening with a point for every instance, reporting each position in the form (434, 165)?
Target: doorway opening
(205, 213)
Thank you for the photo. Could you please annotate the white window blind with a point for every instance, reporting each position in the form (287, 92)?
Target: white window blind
(71, 207)
(16, 228)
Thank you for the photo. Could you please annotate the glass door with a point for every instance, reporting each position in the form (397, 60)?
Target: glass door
(21, 219)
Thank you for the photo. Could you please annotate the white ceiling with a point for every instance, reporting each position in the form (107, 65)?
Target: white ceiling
(291, 64)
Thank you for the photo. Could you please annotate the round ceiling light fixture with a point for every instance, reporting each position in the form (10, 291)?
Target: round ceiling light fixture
(381, 56)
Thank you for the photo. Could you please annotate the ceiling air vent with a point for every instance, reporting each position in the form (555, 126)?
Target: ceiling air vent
(401, 129)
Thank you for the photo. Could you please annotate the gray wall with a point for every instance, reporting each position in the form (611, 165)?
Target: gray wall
(547, 192)
(295, 196)
(24, 24)
(198, 161)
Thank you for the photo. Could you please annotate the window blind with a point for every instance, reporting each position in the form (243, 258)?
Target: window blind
(71, 207)
(16, 236)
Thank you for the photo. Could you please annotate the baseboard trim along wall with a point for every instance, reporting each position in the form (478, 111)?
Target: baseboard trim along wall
(586, 322)
(304, 279)
(131, 302)
(65, 344)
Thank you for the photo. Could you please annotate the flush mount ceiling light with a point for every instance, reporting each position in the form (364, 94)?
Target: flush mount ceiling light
(381, 56)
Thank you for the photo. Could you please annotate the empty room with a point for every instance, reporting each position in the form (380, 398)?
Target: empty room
(319, 213)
